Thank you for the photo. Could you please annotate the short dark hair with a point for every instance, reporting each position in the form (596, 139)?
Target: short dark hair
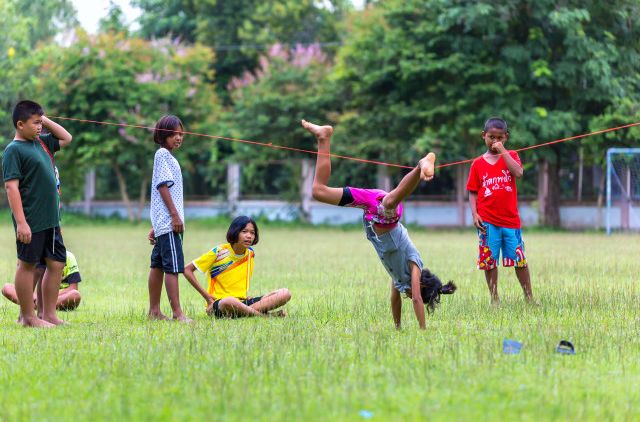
(166, 127)
(431, 288)
(236, 227)
(24, 110)
(496, 123)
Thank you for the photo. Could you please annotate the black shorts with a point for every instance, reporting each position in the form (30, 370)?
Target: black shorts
(167, 253)
(218, 314)
(347, 197)
(45, 244)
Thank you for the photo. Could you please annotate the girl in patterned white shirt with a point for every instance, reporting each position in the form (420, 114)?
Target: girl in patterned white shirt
(167, 219)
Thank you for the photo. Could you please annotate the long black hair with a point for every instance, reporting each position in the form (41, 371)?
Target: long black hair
(431, 288)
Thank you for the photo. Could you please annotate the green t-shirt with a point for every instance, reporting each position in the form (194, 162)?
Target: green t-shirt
(28, 162)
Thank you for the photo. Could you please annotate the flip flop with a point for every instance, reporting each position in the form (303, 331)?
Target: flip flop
(511, 347)
(565, 348)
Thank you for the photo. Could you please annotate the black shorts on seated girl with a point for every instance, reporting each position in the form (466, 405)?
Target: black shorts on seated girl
(218, 313)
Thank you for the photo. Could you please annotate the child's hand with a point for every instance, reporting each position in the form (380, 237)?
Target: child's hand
(498, 147)
(477, 221)
(222, 254)
(152, 237)
(23, 233)
(210, 301)
(177, 224)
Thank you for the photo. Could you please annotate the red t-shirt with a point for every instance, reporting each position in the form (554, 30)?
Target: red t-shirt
(497, 192)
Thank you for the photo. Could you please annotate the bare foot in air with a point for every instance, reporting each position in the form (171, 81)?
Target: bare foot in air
(320, 132)
(159, 316)
(427, 166)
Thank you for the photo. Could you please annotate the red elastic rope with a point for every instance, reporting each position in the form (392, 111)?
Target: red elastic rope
(344, 157)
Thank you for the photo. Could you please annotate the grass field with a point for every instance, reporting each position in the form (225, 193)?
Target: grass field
(337, 354)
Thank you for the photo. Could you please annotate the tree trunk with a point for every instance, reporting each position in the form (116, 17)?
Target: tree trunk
(462, 173)
(306, 186)
(89, 190)
(122, 184)
(233, 187)
(383, 179)
(551, 210)
(144, 184)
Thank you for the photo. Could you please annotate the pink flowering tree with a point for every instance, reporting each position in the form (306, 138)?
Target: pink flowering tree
(288, 85)
(113, 78)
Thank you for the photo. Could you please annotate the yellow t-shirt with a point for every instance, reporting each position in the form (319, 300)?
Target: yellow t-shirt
(230, 276)
(71, 272)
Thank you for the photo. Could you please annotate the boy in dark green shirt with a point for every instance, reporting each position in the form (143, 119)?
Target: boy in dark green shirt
(28, 169)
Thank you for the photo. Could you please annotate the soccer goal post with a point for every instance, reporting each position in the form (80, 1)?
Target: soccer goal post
(623, 189)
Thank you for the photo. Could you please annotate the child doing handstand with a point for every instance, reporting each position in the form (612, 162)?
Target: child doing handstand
(382, 212)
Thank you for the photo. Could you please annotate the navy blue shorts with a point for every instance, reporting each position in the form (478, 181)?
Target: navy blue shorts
(218, 314)
(167, 253)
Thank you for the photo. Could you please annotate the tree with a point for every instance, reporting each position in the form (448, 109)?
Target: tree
(125, 80)
(241, 31)
(268, 106)
(425, 74)
(25, 25)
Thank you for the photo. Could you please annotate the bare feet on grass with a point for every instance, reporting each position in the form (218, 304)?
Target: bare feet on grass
(427, 166)
(53, 320)
(279, 313)
(183, 318)
(320, 132)
(157, 316)
(34, 322)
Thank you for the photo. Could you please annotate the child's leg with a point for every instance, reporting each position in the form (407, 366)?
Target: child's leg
(69, 300)
(25, 274)
(38, 295)
(492, 282)
(173, 293)
(155, 292)
(525, 282)
(322, 192)
(50, 288)
(9, 291)
(230, 306)
(424, 170)
(272, 300)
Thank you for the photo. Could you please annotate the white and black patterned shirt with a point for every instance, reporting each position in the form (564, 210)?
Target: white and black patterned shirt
(166, 171)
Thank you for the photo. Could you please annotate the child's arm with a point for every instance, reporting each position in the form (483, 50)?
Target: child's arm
(512, 165)
(23, 231)
(189, 275)
(396, 306)
(477, 220)
(178, 225)
(416, 296)
(58, 131)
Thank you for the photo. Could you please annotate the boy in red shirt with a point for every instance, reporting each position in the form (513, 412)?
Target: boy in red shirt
(493, 198)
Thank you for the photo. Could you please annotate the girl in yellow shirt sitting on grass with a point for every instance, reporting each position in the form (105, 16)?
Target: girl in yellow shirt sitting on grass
(229, 268)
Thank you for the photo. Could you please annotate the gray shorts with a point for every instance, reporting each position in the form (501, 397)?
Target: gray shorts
(395, 250)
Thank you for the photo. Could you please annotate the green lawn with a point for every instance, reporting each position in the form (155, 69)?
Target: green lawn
(337, 353)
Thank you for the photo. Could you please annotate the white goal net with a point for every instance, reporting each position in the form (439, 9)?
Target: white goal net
(623, 189)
